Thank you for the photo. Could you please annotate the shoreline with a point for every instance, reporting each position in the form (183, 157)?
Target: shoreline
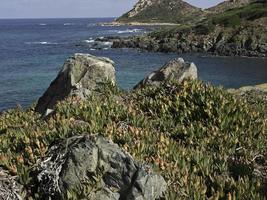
(245, 88)
(114, 23)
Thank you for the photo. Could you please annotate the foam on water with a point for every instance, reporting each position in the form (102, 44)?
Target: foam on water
(42, 43)
(69, 24)
(89, 41)
(126, 31)
(130, 31)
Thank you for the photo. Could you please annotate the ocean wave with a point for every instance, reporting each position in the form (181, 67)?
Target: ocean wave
(96, 44)
(69, 24)
(107, 43)
(89, 41)
(42, 43)
(136, 30)
(42, 24)
(91, 24)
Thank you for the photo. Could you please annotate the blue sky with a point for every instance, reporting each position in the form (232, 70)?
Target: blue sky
(74, 8)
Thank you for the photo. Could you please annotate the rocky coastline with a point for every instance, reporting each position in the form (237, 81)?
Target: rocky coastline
(232, 28)
(245, 41)
(86, 139)
(170, 137)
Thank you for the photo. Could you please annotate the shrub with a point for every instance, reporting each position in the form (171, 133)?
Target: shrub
(204, 29)
(206, 142)
(227, 21)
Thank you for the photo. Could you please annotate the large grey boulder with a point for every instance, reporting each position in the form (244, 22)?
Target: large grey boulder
(176, 69)
(9, 186)
(98, 166)
(80, 75)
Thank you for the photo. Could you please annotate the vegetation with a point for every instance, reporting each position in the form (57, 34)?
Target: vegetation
(165, 11)
(229, 19)
(206, 142)
(233, 17)
(170, 32)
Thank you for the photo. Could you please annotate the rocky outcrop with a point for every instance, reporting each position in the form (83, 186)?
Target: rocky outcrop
(236, 32)
(176, 69)
(10, 189)
(249, 40)
(98, 166)
(139, 7)
(80, 75)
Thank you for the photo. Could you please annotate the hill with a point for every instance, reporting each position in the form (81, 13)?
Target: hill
(230, 4)
(175, 11)
(240, 31)
(149, 11)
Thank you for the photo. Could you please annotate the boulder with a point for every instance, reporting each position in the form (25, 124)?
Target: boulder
(80, 75)
(99, 167)
(9, 186)
(175, 69)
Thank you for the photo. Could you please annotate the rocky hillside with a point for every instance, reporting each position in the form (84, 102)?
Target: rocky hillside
(172, 137)
(235, 32)
(175, 11)
(229, 4)
(149, 11)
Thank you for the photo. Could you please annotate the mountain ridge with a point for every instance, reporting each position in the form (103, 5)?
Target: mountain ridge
(174, 11)
(229, 4)
(239, 31)
(160, 11)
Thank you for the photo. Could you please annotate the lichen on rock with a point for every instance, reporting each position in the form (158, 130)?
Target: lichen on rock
(99, 166)
(176, 69)
(80, 75)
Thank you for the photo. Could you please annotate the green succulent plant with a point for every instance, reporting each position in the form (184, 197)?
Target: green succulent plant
(206, 142)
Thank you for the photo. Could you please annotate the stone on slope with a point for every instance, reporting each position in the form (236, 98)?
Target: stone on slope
(100, 166)
(176, 69)
(80, 75)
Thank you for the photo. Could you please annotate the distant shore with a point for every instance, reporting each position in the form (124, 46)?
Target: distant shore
(114, 23)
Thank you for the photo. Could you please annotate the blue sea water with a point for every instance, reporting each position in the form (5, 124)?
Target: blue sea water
(32, 52)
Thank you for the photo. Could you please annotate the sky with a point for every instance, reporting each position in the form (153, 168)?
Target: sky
(74, 8)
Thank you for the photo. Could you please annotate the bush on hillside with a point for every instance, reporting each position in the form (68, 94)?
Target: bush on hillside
(206, 142)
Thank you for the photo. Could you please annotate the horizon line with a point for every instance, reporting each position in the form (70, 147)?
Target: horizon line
(1, 18)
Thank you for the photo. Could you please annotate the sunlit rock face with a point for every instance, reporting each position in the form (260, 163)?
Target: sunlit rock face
(79, 76)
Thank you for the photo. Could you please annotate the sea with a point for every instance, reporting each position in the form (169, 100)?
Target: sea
(32, 51)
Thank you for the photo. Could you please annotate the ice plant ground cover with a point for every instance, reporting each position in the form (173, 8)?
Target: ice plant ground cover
(206, 142)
